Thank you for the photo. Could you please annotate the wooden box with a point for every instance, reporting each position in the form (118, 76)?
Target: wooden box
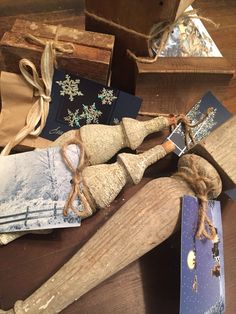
(136, 15)
(171, 84)
(91, 57)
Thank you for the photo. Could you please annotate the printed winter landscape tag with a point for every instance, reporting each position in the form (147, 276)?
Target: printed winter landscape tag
(34, 188)
(202, 263)
(78, 101)
(217, 117)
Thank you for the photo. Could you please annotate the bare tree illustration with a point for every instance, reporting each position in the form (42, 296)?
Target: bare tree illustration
(48, 162)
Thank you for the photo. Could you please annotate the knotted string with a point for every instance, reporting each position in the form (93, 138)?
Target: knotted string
(184, 120)
(37, 115)
(57, 45)
(163, 29)
(77, 189)
(202, 187)
(187, 126)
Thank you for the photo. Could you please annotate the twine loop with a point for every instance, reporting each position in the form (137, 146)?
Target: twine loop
(188, 126)
(163, 29)
(77, 189)
(203, 188)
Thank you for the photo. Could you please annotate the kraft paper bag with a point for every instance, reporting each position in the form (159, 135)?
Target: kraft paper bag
(17, 98)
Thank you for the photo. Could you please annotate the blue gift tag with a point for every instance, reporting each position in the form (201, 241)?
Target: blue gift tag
(218, 116)
(77, 101)
(202, 262)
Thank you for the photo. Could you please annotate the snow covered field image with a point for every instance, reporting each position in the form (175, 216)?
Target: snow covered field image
(33, 190)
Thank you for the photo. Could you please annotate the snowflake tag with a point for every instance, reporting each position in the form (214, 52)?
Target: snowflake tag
(107, 97)
(70, 87)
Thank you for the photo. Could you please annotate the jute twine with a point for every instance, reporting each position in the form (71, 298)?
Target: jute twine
(202, 187)
(185, 122)
(38, 113)
(160, 30)
(77, 189)
(77, 182)
(187, 126)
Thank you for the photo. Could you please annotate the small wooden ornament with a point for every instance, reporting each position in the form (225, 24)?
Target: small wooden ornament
(104, 182)
(102, 142)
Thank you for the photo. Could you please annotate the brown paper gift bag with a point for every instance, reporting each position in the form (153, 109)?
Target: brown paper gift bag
(17, 98)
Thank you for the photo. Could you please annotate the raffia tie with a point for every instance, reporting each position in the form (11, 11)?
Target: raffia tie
(77, 182)
(202, 187)
(37, 115)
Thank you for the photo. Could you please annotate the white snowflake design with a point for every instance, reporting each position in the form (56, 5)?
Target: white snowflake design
(73, 118)
(70, 87)
(91, 114)
(106, 96)
(116, 121)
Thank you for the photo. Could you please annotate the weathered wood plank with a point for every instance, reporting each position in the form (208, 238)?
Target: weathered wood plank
(171, 84)
(219, 148)
(63, 33)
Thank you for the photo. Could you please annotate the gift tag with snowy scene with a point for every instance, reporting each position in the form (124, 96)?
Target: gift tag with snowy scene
(34, 188)
(218, 116)
(77, 101)
(202, 263)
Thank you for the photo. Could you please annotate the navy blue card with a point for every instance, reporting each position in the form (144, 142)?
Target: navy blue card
(202, 262)
(217, 117)
(77, 101)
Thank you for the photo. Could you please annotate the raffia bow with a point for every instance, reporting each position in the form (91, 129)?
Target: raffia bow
(37, 116)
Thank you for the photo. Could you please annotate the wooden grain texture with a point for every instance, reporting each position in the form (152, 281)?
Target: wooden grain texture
(151, 284)
(107, 252)
(32, 6)
(171, 76)
(219, 148)
(132, 14)
(65, 34)
(91, 57)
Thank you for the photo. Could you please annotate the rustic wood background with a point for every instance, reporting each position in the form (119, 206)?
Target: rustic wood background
(151, 284)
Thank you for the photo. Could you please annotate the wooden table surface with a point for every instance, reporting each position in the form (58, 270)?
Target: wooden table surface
(151, 284)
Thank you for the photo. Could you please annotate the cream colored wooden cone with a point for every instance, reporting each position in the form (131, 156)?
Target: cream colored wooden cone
(104, 182)
(145, 221)
(102, 142)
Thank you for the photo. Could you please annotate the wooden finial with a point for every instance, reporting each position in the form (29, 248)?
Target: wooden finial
(102, 142)
(104, 182)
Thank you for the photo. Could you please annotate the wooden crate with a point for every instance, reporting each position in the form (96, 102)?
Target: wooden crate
(91, 58)
(170, 84)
